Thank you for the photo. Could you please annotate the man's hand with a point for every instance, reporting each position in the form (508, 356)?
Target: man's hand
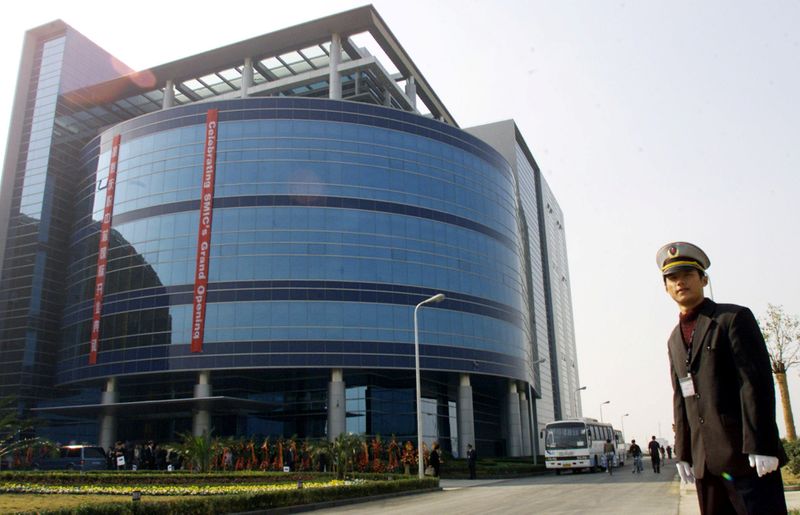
(763, 464)
(685, 471)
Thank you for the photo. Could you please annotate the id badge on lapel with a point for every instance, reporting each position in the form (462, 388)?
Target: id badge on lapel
(687, 386)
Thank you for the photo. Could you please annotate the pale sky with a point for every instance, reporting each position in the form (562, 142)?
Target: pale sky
(652, 121)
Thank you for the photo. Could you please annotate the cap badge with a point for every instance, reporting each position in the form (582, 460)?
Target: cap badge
(673, 252)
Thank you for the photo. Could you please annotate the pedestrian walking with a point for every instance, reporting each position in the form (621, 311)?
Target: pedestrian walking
(609, 450)
(636, 452)
(655, 455)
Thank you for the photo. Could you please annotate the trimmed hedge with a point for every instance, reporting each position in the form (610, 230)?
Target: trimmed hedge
(243, 503)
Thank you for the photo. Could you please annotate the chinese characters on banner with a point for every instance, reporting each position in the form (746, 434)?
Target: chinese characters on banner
(204, 232)
(102, 250)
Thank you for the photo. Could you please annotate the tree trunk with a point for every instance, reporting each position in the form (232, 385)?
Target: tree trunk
(788, 418)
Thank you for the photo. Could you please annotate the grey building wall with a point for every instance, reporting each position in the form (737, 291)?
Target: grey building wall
(560, 289)
(545, 406)
(553, 328)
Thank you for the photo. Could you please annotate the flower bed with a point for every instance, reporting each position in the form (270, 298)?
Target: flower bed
(33, 488)
(62, 478)
(265, 500)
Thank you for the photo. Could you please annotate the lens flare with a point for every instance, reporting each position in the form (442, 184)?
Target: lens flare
(727, 476)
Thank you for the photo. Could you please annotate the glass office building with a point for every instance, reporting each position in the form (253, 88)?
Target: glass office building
(238, 241)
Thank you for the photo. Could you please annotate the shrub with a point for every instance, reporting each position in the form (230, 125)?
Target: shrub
(793, 452)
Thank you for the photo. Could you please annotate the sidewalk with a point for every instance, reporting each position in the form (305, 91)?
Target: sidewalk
(688, 502)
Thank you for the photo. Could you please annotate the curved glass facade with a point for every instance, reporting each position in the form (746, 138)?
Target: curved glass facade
(332, 219)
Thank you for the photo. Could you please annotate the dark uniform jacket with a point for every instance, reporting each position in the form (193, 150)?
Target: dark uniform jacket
(732, 413)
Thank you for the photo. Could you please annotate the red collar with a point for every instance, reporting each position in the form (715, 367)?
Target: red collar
(692, 314)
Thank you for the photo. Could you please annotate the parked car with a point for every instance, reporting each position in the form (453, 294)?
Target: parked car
(74, 457)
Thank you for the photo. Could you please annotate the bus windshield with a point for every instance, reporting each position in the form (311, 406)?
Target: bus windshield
(566, 436)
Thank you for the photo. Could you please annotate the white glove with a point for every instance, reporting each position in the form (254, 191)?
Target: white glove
(685, 471)
(763, 464)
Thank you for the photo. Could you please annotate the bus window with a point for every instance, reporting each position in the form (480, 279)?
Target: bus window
(565, 436)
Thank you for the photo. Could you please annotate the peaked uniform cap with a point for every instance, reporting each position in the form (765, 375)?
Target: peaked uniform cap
(680, 255)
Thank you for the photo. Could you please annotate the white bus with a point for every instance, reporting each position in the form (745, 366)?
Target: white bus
(622, 447)
(577, 444)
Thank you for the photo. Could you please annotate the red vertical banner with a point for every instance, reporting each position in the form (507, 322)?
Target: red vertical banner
(102, 250)
(204, 232)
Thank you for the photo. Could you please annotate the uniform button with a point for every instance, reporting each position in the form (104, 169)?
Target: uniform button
(697, 396)
(702, 421)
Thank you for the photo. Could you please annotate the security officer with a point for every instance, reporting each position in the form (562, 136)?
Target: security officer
(724, 399)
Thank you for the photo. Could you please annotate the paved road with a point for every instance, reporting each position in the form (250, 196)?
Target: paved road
(643, 494)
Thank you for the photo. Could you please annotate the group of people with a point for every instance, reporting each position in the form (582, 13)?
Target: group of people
(658, 454)
(435, 460)
(142, 456)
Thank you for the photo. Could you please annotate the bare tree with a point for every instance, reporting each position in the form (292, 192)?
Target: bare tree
(782, 334)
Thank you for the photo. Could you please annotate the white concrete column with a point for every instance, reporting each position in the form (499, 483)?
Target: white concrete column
(411, 91)
(525, 419)
(387, 97)
(201, 421)
(169, 94)
(247, 75)
(335, 80)
(358, 83)
(108, 420)
(514, 437)
(337, 416)
(465, 416)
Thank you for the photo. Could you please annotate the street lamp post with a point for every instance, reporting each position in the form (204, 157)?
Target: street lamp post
(622, 422)
(575, 399)
(601, 409)
(436, 298)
